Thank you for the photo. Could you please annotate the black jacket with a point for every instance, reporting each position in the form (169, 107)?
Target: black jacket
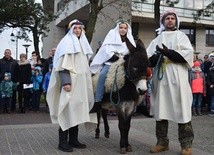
(210, 81)
(24, 74)
(9, 65)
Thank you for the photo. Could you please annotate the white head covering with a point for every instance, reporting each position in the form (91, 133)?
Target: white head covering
(71, 44)
(211, 55)
(111, 44)
(167, 12)
(114, 38)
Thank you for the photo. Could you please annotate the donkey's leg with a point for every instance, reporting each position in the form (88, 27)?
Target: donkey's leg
(121, 125)
(126, 134)
(129, 112)
(104, 113)
(97, 131)
(122, 134)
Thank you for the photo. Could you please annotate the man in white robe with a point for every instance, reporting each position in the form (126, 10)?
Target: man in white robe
(171, 96)
(70, 93)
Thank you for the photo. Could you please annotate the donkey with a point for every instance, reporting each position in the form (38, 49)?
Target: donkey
(128, 95)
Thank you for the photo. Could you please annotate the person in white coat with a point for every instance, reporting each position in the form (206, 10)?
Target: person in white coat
(117, 43)
(70, 93)
(171, 96)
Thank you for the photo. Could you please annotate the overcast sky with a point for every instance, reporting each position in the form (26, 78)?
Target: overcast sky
(6, 42)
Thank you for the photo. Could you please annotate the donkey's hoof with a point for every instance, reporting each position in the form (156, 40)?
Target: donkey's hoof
(129, 148)
(122, 150)
(106, 135)
(97, 136)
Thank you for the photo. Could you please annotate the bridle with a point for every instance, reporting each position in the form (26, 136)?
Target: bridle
(130, 76)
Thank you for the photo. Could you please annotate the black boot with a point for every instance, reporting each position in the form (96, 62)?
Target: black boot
(63, 141)
(198, 111)
(73, 138)
(96, 107)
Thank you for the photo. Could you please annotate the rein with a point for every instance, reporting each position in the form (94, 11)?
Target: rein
(158, 69)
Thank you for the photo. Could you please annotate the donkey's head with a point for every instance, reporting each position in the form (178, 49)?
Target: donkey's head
(136, 65)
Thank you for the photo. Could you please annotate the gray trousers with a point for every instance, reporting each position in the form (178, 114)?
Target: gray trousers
(185, 134)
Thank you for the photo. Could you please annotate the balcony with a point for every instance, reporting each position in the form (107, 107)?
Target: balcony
(148, 8)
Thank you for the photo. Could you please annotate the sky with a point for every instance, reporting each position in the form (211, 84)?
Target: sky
(5, 40)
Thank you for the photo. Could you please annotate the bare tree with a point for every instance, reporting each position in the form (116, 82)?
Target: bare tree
(26, 15)
(207, 11)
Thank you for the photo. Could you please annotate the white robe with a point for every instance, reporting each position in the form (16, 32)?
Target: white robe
(69, 109)
(171, 97)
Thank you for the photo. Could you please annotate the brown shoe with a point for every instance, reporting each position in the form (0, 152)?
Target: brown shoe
(159, 148)
(186, 151)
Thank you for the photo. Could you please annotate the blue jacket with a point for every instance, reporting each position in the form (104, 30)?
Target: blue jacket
(46, 81)
(37, 80)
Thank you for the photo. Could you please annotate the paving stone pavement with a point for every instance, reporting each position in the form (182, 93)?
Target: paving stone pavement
(31, 138)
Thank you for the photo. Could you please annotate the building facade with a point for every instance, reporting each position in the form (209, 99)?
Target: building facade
(141, 16)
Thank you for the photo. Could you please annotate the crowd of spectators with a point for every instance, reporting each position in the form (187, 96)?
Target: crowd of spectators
(24, 81)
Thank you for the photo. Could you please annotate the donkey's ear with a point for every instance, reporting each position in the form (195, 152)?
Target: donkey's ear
(140, 44)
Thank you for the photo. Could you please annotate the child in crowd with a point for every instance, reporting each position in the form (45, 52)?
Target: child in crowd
(46, 83)
(197, 82)
(6, 89)
(36, 80)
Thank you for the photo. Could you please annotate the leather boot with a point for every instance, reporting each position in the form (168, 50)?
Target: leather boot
(159, 148)
(162, 138)
(63, 141)
(186, 151)
(96, 108)
(198, 110)
(73, 138)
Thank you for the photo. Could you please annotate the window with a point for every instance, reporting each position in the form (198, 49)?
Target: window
(210, 37)
(190, 32)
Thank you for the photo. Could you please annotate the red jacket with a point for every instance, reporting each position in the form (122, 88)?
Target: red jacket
(197, 82)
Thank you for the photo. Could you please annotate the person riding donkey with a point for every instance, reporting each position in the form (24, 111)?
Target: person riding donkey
(117, 43)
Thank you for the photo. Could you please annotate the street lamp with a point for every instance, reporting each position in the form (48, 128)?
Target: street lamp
(26, 47)
(15, 38)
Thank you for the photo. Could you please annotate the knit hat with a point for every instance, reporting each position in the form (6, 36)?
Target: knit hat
(7, 74)
(38, 68)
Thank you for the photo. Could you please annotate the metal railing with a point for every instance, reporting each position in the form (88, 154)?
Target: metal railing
(182, 12)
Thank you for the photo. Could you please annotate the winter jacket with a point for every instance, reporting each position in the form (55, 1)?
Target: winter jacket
(6, 88)
(46, 81)
(197, 81)
(210, 81)
(36, 79)
(24, 74)
(9, 65)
